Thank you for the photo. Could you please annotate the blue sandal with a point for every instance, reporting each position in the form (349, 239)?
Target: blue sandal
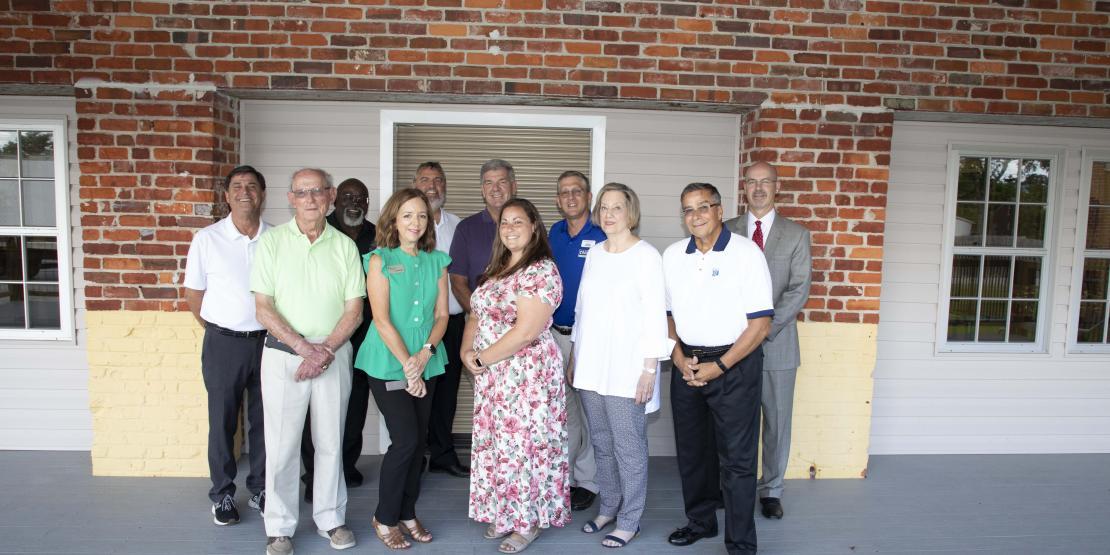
(617, 540)
(592, 527)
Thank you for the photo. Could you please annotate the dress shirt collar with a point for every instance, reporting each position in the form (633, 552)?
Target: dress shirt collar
(767, 220)
(718, 246)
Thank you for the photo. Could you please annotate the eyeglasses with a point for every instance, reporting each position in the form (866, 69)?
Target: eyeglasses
(765, 182)
(572, 193)
(700, 210)
(316, 193)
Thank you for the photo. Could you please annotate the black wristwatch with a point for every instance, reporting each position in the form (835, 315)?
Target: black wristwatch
(431, 348)
(722, 365)
(478, 362)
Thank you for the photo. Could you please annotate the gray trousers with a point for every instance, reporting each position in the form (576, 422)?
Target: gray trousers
(777, 399)
(583, 469)
(618, 429)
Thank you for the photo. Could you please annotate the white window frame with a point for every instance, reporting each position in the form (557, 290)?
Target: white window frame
(61, 232)
(390, 118)
(1088, 159)
(948, 248)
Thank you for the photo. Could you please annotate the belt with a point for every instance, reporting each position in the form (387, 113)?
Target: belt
(233, 333)
(273, 343)
(562, 330)
(704, 353)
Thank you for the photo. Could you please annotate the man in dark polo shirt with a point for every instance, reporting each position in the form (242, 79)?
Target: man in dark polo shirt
(352, 202)
(570, 239)
(473, 242)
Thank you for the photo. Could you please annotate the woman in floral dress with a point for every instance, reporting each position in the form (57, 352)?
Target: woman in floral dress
(518, 480)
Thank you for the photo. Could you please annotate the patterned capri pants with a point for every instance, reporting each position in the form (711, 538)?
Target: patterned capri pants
(618, 431)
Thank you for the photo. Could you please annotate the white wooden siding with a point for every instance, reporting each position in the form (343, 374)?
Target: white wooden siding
(930, 402)
(44, 394)
(655, 153)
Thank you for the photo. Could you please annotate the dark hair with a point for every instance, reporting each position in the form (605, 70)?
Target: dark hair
(713, 192)
(574, 173)
(496, 164)
(536, 250)
(430, 165)
(387, 223)
(240, 170)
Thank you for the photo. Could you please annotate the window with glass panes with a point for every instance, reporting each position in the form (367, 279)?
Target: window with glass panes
(1093, 291)
(32, 281)
(999, 249)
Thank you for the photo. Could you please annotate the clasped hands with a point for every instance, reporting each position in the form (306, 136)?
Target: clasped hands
(316, 358)
(696, 374)
(414, 372)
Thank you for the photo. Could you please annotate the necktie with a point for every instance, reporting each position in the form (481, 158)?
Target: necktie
(758, 235)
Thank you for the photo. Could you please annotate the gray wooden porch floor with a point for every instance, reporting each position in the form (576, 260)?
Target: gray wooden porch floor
(1010, 504)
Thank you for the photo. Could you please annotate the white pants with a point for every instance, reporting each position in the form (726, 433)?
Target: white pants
(285, 403)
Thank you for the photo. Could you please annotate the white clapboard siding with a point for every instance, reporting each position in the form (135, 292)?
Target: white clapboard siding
(44, 399)
(655, 153)
(930, 402)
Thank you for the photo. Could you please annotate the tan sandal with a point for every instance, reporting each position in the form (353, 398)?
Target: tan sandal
(417, 531)
(390, 535)
(518, 541)
(491, 533)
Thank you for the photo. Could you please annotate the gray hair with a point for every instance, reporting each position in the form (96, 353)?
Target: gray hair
(429, 165)
(496, 164)
(713, 192)
(319, 172)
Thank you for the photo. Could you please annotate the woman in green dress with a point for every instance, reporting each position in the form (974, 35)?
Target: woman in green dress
(406, 281)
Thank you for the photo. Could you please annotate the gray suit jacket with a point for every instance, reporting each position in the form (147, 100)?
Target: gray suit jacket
(788, 257)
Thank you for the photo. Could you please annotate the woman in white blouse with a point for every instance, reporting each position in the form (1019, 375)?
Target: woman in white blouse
(620, 334)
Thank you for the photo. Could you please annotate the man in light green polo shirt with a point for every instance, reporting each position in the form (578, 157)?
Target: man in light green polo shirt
(309, 288)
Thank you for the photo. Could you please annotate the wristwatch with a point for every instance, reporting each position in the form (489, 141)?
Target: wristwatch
(431, 348)
(478, 362)
(722, 365)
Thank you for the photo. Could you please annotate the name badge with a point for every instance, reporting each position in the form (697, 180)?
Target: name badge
(585, 249)
(395, 269)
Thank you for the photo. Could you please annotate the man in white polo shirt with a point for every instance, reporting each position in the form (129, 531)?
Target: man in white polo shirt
(217, 288)
(719, 307)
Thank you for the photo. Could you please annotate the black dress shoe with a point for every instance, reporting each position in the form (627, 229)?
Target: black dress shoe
(352, 477)
(687, 536)
(772, 507)
(457, 470)
(581, 499)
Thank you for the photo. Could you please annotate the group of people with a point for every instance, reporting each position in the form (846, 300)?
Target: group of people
(562, 332)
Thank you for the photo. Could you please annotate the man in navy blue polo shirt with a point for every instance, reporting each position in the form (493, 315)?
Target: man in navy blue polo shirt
(571, 238)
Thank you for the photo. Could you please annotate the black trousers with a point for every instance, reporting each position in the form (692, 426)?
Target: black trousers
(731, 403)
(352, 428)
(406, 418)
(231, 365)
(441, 444)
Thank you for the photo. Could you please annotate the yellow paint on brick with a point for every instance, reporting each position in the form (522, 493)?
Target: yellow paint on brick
(146, 394)
(832, 400)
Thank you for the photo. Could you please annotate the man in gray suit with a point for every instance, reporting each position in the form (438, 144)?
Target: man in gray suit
(786, 246)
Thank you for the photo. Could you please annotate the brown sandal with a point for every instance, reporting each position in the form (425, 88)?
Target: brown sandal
(417, 531)
(390, 535)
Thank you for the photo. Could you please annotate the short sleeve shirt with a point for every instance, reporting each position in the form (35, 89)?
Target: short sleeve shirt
(570, 256)
(310, 282)
(445, 235)
(219, 263)
(712, 295)
(413, 288)
(472, 246)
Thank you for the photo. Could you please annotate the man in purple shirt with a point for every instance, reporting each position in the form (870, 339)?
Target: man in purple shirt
(473, 243)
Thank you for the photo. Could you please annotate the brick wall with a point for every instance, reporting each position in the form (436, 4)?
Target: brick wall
(157, 82)
(150, 160)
